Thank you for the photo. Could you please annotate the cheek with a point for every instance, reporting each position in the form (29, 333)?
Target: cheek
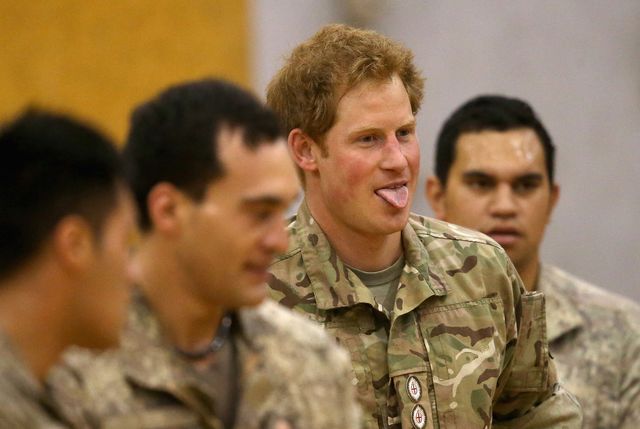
(353, 173)
(466, 209)
(412, 154)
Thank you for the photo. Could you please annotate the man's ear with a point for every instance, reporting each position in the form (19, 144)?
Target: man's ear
(163, 207)
(73, 242)
(303, 150)
(434, 192)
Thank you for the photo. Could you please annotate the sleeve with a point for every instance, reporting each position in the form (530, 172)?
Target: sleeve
(531, 396)
(630, 375)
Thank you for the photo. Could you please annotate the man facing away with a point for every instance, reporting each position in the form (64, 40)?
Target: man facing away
(495, 173)
(212, 179)
(436, 321)
(65, 221)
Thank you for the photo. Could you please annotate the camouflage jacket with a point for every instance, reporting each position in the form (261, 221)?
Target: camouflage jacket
(289, 370)
(594, 337)
(24, 403)
(463, 347)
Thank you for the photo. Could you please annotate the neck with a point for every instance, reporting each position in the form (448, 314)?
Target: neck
(529, 274)
(187, 321)
(366, 252)
(32, 315)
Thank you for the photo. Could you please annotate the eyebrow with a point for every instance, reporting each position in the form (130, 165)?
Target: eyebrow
(477, 174)
(268, 200)
(364, 130)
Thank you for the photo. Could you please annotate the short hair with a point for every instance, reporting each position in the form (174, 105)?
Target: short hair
(51, 166)
(494, 113)
(306, 91)
(173, 137)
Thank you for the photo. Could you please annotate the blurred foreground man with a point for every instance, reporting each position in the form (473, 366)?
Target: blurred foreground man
(434, 316)
(212, 178)
(495, 173)
(65, 221)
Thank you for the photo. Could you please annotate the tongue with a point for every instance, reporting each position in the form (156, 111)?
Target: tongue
(397, 197)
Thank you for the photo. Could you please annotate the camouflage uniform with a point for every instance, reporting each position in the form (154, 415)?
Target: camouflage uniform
(289, 370)
(463, 347)
(23, 401)
(594, 337)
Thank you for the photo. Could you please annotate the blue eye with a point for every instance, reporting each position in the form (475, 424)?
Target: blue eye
(370, 138)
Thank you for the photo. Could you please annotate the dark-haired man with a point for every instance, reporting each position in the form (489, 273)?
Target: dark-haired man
(495, 173)
(212, 179)
(65, 223)
(434, 316)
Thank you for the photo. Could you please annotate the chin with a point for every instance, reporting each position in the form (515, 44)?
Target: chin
(254, 295)
(102, 342)
(396, 223)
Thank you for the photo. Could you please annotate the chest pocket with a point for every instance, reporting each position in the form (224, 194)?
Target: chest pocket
(466, 344)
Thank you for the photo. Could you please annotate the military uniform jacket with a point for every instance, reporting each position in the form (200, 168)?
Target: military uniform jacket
(463, 347)
(289, 369)
(24, 403)
(594, 337)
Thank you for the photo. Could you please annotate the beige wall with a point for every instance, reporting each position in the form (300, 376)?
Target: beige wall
(100, 58)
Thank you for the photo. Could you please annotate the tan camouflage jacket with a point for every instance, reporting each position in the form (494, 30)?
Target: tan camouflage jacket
(463, 348)
(290, 370)
(24, 403)
(594, 338)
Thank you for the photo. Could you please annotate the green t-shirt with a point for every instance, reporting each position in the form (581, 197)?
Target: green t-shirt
(382, 284)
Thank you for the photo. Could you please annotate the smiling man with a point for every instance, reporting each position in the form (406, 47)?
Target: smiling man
(213, 179)
(495, 173)
(434, 316)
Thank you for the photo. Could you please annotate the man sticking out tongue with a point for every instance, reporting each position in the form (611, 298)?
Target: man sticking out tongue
(434, 316)
(398, 196)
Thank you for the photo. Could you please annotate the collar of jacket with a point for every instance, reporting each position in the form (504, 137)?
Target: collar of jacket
(335, 286)
(157, 366)
(563, 315)
(14, 371)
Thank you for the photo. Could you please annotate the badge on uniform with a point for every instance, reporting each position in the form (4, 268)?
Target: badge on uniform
(419, 417)
(414, 389)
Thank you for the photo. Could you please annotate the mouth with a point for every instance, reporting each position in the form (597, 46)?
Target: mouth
(395, 194)
(505, 237)
(257, 270)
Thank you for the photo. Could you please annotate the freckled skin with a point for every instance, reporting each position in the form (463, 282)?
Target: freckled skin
(371, 146)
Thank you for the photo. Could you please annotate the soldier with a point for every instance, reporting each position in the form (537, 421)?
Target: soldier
(495, 173)
(65, 220)
(434, 316)
(212, 178)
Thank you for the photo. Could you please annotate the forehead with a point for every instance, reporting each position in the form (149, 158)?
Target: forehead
(123, 214)
(381, 101)
(262, 169)
(512, 150)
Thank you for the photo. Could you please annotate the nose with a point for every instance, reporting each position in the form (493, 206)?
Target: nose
(276, 239)
(393, 156)
(503, 203)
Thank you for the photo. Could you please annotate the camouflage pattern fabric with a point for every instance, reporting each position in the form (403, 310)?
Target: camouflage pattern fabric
(594, 337)
(23, 401)
(289, 371)
(463, 346)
